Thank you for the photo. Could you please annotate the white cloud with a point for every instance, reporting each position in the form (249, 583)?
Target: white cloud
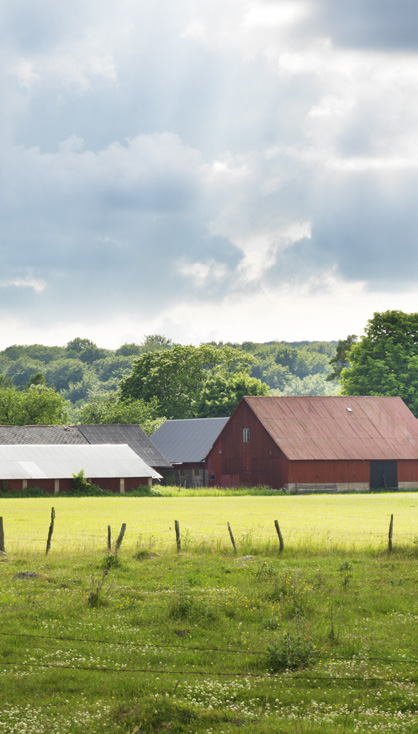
(37, 285)
(202, 273)
(260, 250)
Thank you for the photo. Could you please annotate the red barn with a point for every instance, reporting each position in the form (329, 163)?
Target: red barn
(308, 443)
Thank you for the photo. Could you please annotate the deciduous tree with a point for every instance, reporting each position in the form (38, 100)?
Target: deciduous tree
(385, 361)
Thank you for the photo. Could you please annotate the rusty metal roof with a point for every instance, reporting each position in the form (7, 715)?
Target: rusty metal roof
(339, 428)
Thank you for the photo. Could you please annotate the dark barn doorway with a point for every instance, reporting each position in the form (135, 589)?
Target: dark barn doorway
(383, 475)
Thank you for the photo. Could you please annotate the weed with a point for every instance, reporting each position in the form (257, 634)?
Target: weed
(290, 652)
(97, 596)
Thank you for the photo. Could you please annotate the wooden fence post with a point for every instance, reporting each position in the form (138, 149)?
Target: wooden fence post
(2, 550)
(276, 524)
(178, 540)
(390, 533)
(50, 531)
(109, 539)
(232, 538)
(120, 538)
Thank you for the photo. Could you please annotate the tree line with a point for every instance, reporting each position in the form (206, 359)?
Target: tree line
(156, 379)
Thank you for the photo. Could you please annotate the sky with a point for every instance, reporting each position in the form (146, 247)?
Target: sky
(208, 170)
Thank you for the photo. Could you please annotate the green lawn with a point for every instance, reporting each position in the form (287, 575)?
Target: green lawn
(316, 640)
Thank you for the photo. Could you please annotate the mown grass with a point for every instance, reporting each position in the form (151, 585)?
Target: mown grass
(317, 639)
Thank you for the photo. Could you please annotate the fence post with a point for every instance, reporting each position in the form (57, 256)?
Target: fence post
(2, 550)
(178, 540)
(109, 539)
(232, 538)
(390, 533)
(120, 538)
(281, 543)
(50, 531)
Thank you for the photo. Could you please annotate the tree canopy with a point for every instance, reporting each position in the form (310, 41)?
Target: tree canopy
(385, 360)
(177, 377)
(36, 405)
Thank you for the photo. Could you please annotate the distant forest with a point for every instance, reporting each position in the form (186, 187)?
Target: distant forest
(81, 371)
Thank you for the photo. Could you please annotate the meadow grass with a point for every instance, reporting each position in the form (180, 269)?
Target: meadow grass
(318, 639)
(320, 521)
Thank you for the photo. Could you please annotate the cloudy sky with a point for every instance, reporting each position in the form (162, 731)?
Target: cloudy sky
(206, 169)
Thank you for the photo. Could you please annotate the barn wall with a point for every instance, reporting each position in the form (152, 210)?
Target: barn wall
(191, 474)
(65, 485)
(329, 472)
(232, 462)
(112, 484)
(408, 474)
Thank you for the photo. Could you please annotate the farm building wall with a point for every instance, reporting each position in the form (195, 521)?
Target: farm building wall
(65, 485)
(408, 474)
(233, 462)
(331, 472)
(191, 474)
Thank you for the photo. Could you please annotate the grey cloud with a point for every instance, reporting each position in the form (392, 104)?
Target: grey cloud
(381, 25)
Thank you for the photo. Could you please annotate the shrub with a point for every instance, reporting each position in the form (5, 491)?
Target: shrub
(291, 652)
(82, 488)
(145, 491)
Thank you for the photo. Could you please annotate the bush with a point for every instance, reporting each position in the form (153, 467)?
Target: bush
(82, 488)
(145, 491)
(6, 491)
(291, 652)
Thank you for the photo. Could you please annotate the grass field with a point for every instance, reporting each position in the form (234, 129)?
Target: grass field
(316, 640)
(320, 521)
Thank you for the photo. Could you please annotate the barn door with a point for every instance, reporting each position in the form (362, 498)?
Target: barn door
(383, 475)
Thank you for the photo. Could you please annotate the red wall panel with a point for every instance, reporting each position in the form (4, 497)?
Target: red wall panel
(408, 471)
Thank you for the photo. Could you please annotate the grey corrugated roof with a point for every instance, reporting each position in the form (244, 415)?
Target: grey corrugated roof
(132, 435)
(37, 461)
(41, 435)
(188, 440)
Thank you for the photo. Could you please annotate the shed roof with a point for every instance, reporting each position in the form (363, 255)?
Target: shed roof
(130, 434)
(188, 440)
(41, 435)
(36, 461)
(338, 428)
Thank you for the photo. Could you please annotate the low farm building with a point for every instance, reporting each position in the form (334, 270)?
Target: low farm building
(317, 443)
(114, 467)
(130, 434)
(185, 443)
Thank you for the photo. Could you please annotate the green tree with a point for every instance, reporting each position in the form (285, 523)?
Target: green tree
(21, 370)
(385, 361)
(340, 359)
(85, 350)
(62, 372)
(176, 376)
(37, 405)
(109, 409)
(222, 391)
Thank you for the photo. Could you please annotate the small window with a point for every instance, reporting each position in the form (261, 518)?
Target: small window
(246, 435)
(196, 472)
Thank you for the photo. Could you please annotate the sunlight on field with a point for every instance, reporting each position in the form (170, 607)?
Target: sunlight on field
(81, 523)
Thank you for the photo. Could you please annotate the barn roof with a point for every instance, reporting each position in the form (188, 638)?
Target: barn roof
(130, 434)
(188, 440)
(338, 428)
(41, 435)
(36, 461)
